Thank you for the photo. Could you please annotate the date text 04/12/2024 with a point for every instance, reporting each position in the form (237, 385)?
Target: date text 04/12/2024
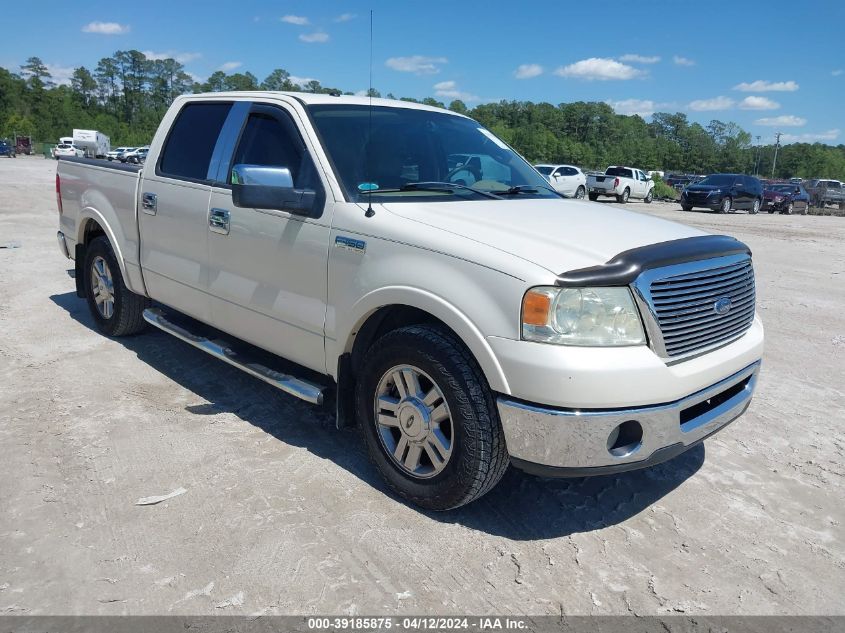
(416, 623)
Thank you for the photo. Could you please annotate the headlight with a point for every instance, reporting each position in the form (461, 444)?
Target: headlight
(778, 198)
(600, 317)
(714, 192)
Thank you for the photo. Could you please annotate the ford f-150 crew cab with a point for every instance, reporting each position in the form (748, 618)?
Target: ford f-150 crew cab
(464, 321)
(622, 183)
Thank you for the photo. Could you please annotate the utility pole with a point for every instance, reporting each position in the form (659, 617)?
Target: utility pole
(757, 152)
(775, 160)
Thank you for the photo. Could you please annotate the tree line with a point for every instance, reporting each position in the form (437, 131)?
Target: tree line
(126, 95)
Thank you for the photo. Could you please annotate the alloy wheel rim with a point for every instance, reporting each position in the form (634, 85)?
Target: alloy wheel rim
(413, 421)
(102, 286)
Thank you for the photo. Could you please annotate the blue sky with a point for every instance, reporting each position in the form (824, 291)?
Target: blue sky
(769, 66)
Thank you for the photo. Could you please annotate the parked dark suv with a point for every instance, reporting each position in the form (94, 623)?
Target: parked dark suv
(724, 193)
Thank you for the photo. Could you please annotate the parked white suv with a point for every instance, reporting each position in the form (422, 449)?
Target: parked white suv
(67, 149)
(462, 327)
(117, 151)
(566, 179)
(623, 183)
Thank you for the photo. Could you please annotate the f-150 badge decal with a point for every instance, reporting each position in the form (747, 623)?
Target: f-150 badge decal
(350, 244)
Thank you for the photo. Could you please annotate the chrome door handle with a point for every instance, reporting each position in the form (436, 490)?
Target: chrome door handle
(149, 203)
(218, 221)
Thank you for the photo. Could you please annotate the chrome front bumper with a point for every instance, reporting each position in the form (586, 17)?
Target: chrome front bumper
(577, 443)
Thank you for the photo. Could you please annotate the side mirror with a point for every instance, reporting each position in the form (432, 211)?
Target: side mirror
(262, 187)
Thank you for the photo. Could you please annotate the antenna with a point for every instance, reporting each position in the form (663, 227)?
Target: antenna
(370, 213)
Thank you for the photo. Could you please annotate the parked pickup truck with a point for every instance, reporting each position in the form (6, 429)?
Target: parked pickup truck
(825, 192)
(324, 245)
(623, 183)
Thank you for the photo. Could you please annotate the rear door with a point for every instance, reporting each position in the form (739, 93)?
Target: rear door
(173, 209)
(565, 180)
(268, 267)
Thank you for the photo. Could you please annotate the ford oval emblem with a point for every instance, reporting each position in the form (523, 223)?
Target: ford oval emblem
(723, 305)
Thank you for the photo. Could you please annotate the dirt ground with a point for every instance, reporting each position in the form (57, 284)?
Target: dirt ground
(283, 514)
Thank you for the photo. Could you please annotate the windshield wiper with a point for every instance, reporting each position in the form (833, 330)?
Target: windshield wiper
(517, 189)
(446, 187)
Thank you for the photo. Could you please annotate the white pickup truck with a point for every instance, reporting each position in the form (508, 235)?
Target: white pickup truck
(623, 183)
(465, 318)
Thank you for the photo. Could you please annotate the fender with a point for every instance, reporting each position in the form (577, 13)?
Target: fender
(428, 302)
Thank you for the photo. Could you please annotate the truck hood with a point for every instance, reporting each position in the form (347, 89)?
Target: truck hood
(559, 235)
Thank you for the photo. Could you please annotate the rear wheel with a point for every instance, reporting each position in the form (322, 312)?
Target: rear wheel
(725, 207)
(429, 419)
(579, 192)
(117, 310)
(623, 199)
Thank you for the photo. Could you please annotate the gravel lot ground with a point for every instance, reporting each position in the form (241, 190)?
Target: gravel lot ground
(284, 514)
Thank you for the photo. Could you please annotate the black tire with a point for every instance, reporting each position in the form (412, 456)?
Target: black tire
(623, 199)
(725, 205)
(788, 209)
(686, 207)
(649, 197)
(755, 207)
(127, 317)
(593, 196)
(479, 457)
(579, 192)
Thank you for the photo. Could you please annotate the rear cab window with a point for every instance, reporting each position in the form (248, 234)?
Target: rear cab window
(187, 150)
(619, 171)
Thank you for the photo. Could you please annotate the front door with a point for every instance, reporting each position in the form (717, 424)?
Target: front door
(268, 268)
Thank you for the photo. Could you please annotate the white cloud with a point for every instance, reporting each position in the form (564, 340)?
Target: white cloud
(682, 61)
(299, 20)
(106, 28)
(836, 72)
(182, 58)
(230, 66)
(60, 74)
(315, 38)
(767, 86)
(758, 103)
(786, 120)
(707, 105)
(418, 64)
(829, 135)
(449, 90)
(642, 107)
(345, 17)
(599, 68)
(301, 81)
(527, 71)
(640, 59)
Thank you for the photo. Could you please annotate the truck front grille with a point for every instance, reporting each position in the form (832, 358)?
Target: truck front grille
(704, 308)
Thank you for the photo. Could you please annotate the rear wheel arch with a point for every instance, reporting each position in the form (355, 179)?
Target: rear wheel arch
(90, 226)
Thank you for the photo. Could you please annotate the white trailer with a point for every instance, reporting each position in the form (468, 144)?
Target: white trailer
(95, 144)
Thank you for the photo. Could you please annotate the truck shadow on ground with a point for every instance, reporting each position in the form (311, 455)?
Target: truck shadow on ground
(521, 507)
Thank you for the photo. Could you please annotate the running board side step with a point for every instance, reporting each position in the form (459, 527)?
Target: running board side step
(302, 389)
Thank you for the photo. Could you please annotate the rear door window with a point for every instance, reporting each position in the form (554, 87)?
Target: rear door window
(190, 143)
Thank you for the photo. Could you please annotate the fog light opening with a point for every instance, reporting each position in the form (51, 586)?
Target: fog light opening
(625, 439)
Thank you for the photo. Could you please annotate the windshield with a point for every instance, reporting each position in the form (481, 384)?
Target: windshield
(544, 169)
(405, 146)
(782, 188)
(830, 184)
(719, 180)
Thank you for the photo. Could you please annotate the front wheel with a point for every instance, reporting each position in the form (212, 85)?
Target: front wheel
(117, 310)
(686, 207)
(429, 419)
(789, 208)
(725, 207)
(649, 197)
(755, 207)
(579, 192)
